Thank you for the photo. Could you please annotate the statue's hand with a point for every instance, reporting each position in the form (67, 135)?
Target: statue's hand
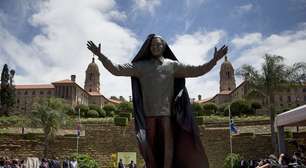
(220, 53)
(94, 49)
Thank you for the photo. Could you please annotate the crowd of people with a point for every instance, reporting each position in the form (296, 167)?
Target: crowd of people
(34, 162)
(283, 161)
(131, 165)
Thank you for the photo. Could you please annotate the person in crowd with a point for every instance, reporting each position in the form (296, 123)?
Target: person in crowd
(73, 163)
(44, 163)
(283, 159)
(120, 164)
(54, 163)
(132, 164)
(1, 162)
(15, 164)
(22, 164)
(263, 163)
(66, 163)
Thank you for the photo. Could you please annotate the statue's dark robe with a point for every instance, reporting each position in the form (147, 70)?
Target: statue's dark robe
(188, 149)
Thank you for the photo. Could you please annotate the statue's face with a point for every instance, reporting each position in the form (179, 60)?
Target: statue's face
(157, 47)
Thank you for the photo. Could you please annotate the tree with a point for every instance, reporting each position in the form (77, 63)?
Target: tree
(121, 98)
(274, 76)
(50, 115)
(125, 107)
(7, 91)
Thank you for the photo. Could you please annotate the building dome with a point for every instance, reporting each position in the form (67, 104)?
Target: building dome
(92, 78)
(227, 78)
(226, 65)
(93, 67)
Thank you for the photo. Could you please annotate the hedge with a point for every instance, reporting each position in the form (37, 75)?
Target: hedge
(121, 121)
(196, 107)
(127, 115)
(199, 120)
(210, 108)
(97, 108)
(109, 109)
(239, 107)
(93, 114)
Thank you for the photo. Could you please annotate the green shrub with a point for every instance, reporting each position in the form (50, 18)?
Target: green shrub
(83, 109)
(125, 107)
(195, 113)
(210, 108)
(10, 120)
(110, 114)
(109, 108)
(255, 105)
(197, 107)
(202, 113)
(121, 121)
(70, 111)
(92, 114)
(85, 161)
(223, 109)
(127, 115)
(200, 120)
(236, 161)
(239, 107)
(102, 113)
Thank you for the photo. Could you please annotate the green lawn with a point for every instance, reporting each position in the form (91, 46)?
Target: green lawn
(217, 118)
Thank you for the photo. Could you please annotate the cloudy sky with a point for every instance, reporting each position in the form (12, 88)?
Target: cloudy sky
(45, 40)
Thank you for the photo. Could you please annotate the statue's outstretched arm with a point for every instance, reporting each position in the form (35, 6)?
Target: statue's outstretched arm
(128, 69)
(183, 70)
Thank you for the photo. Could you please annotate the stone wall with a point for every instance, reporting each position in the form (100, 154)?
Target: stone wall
(101, 140)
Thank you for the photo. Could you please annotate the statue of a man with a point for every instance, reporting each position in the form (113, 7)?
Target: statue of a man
(165, 129)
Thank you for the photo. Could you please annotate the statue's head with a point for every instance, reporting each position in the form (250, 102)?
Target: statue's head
(157, 46)
(154, 46)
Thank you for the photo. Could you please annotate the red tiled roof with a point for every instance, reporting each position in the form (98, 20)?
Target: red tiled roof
(64, 81)
(35, 86)
(114, 101)
(203, 100)
(225, 92)
(94, 93)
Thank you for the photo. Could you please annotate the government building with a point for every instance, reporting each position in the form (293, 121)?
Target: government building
(67, 89)
(228, 91)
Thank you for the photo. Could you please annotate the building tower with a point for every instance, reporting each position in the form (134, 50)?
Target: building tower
(92, 79)
(227, 78)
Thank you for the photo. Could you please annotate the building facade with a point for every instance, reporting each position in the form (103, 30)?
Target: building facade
(68, 89)
(228, 92)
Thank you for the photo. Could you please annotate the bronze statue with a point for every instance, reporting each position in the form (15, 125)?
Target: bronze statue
(165, 129)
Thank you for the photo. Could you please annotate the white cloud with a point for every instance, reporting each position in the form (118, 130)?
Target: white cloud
(196, 49)
(246, 40)
(60, 50)
(241, 10)
(246, 8)
(146, 5)
(290, 45)
(192, 48)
